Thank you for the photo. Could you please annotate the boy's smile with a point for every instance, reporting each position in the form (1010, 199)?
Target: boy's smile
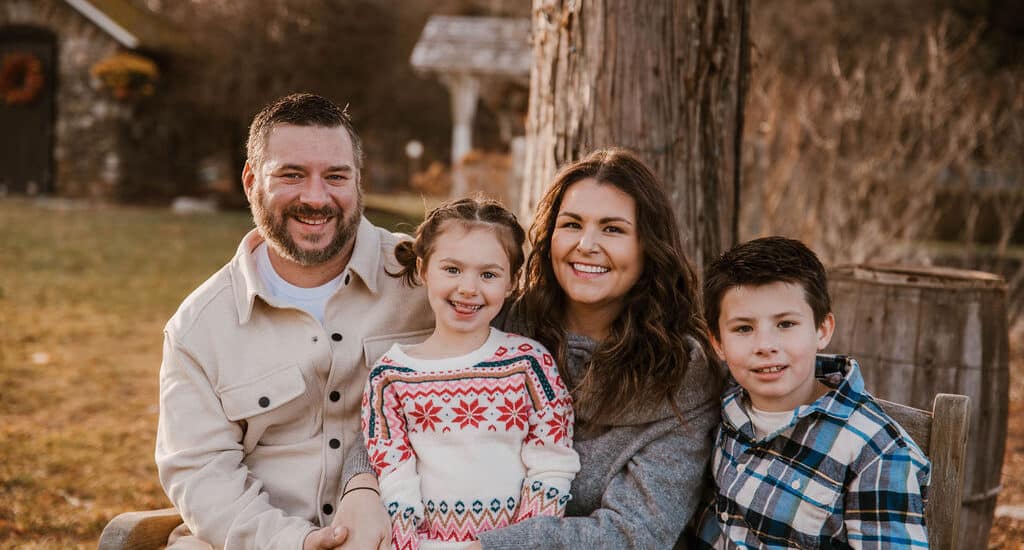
(769, 341)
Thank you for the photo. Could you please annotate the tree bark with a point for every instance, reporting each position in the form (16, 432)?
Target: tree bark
(666, 79)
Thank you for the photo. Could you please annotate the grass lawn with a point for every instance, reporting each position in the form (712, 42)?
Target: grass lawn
(84, 295)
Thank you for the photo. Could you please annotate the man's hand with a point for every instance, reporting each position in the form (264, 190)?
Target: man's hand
(363, 513)
(325, 538)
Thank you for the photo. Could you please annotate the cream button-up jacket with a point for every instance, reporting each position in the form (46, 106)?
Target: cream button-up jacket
(260, 404)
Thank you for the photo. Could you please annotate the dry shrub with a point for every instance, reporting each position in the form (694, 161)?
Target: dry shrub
(489, 174)
(849, 150)
(486, 173)
(434, 181)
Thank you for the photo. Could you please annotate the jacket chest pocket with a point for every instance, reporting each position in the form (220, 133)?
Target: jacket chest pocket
(274, 409)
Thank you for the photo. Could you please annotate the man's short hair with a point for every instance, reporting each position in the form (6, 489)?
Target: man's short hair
(301, 109)
(762, 262)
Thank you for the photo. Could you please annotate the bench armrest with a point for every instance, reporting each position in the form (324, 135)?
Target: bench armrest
(139, 530)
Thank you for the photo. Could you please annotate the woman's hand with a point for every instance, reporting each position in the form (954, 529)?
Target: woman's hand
(362, 513)
(325, 538)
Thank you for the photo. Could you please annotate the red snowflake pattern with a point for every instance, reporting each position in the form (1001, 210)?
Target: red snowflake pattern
(379, 460)
(558, 427)
(515, 414)
(425, 416)
(401, 447)
(469, 413)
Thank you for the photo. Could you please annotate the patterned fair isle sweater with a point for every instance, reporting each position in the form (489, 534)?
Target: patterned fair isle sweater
(467, 444)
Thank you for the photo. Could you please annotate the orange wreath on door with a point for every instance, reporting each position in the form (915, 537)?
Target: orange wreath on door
(21, 78)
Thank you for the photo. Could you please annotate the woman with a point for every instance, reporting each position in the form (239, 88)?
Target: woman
(610, 291)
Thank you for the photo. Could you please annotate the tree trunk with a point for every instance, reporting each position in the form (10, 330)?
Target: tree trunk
(664, 78)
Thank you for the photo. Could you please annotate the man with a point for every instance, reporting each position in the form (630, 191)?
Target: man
(264, 363)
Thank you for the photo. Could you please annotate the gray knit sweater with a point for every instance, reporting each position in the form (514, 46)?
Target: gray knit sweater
(641, 478)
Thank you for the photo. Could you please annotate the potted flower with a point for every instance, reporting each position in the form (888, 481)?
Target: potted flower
(127, 76)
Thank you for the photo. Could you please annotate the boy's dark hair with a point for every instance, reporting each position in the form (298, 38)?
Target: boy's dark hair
(761, 262)
(301, 109)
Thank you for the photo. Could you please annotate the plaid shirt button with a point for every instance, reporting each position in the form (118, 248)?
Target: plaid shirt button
(795, 484)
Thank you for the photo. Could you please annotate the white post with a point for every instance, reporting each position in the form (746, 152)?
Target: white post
(465, 91)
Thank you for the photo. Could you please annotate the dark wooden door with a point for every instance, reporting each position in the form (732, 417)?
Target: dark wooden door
(27, 129)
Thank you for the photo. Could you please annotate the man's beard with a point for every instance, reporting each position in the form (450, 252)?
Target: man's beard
(275, 229)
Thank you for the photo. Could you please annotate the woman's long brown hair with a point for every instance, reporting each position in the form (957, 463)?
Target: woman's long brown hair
(644, 357)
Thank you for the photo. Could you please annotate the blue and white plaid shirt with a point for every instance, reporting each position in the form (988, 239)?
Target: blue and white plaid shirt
(841, 474)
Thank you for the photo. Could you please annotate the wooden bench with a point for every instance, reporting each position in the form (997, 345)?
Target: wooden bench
(941, 434)
(139, 530)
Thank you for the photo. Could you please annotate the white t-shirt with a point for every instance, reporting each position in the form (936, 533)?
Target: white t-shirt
(311, 300)
(768, 422)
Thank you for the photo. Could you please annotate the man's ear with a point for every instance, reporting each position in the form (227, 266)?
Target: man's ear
(248, 179)
(825, 330)
(419, 268)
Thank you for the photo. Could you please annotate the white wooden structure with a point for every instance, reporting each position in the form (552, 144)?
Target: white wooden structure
(476, 58)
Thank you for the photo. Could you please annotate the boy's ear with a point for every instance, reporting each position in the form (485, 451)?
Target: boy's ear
(716, 345)
(825, 330)
(419, 268)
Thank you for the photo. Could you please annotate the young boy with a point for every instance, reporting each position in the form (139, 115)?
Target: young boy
(804, 456)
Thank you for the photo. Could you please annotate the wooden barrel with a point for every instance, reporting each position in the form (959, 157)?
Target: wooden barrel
(917, 332)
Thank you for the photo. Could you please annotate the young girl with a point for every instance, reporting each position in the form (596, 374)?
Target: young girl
(470, 430)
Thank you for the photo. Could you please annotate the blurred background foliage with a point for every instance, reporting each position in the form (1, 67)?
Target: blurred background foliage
(875, 130)
(889, 132)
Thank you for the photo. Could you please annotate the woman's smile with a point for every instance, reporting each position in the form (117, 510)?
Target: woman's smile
(595, 249)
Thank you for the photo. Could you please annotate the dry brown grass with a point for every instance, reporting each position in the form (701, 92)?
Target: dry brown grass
(1008, 533)
(84, 295)
(870, 122)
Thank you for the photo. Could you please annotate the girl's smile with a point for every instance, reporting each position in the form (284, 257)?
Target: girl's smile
(467, 277)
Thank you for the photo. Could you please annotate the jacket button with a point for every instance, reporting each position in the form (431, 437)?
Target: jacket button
(335, 396)
(328, 509)
(334, 443)
(336, 337)
(264, 402)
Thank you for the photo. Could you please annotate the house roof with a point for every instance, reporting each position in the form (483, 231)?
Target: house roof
(494, 46)
(132, 27)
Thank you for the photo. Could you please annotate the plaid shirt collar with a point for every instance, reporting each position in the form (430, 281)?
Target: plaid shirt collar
(839, 372)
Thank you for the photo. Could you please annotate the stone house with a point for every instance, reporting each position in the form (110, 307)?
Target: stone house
(77, 138)
(71, 128)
